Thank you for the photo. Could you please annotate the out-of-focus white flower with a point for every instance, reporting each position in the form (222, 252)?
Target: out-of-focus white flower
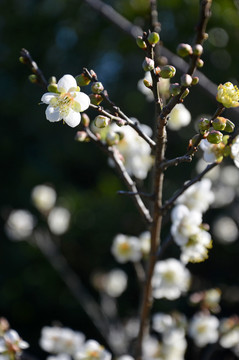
(196, 249)
(229, 175)
(20, 224)
(198, 197)
(59, 220)
(11, 343)
(203, 329)
(170, 279)
(59, 357)
(225, 230)
(126, 248)
(230, 339)
(136, 152)
(125, 357)
(143, 89)
(224, 195)
(213, 174)
(185, 224)
(174, 345)
(209, 151)
(115, 282)
(235, 151)
(92, 350)
(145, 242)
(59, 340)
(179, 117)
(67, 103)
(132, 327)
(151, 348)
(43, 197)
(162, 322)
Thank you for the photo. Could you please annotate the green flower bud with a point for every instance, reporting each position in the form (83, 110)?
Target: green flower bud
(153, 38)
(214, 136)
(97, 87)
(186, 80)
(227, 151)
(197, 50)
(200, 63)
(22, 60)
(82, 80)
(195, 80)
(225, 139)
(141, 43)
(229, 126)
(95, 99)
(52, 88)
(101, 121)
(52, 80)
(185, 94)
(219, 123)
(81, 136)
(147, 83)
(148, 64)
(203, 124)
(167, 72)
(85, 120)
(112, 138)
(33, 78)
(184, 50)
(174, 89)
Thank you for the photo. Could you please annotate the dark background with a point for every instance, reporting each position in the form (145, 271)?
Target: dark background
(63, 36)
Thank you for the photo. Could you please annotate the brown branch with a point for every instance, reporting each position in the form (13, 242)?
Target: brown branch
(27, 60)
(156, 26)
(174, 162)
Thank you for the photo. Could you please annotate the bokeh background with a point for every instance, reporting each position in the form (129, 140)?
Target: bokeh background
(64, 36)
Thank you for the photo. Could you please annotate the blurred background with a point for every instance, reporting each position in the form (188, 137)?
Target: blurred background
(63, 36)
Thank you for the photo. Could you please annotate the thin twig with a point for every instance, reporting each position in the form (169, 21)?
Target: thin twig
(27, 60)
(169, 203)
(130, 193)
(112, 153)
(156, 26)
(174, 162)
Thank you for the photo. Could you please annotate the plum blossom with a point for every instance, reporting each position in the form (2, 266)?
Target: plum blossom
(20, 224)
(59, 340)
(178, 117)
(170, 279)
(235, 151)
(203, 328)
(126, 248)
(11, 344)
(92, 350)
(196, 249)
(228, 95)
(225, 230)
(59, 220)
(43, 197)
(115, 282)
(67, 103)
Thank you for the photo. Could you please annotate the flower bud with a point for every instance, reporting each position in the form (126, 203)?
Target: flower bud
(95, 99)
(81, 136)
(23, 60)
(184, 50)
(101, 121)
(225, 139)
(52, 88)
(148, 64)
(204, 124)
(197, 50)
(195, 140)
(85, 120)
(82, 80)
(33, 78)
(153, 38)
(112, 138)
(167, 72)
(147, 83)
(174, 89)
(52, 80)
(97, 87)
(229, 126)
(195, 80)
(186, 80)
(227, 151)
(184, 94)
(141, 43)
(219, 123)
(200, 63)
(214, 136)
(157, 70)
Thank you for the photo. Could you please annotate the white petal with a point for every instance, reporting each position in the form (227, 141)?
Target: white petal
(83, 100)
(73, 118)
(52, 114)
(66, 82)
(46, 98)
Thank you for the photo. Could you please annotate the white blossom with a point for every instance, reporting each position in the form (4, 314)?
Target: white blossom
(43, 197)
(174, 345)
(170, 279)
(178, 117)
(225, 230)
(209, 151)
(67, 103)
(151, 348)
(145, 242)
(196, 249)
(11, 343)
(185, 223)
(230, 339)
(162, 322)
(59, 357)
(115, 282)
(59, 220)
(126, 248)
(203, 329)
(92, 350)
(20, 224)
(59, 340)
(235, 151)
(143, 89)
(125, 357)
(198, 197)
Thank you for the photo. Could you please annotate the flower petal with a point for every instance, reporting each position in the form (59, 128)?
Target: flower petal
(66, 82)
(52, 114)
(83, 100)
(47, 97)
(73, 118)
